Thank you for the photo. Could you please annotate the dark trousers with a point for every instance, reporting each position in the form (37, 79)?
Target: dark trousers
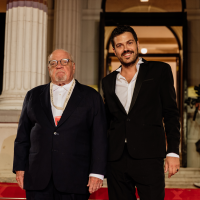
(51, 193)
(126, 173)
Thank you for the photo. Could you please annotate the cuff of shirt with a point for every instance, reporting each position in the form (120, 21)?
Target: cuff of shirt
(97, 176)
(172, 155)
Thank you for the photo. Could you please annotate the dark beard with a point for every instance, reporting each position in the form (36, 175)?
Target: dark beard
(130, 63)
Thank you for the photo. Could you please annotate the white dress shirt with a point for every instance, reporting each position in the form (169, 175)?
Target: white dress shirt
(59, 96)
(124, 92)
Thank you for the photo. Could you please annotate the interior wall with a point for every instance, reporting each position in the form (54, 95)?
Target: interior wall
(3, 6)
(118, 5)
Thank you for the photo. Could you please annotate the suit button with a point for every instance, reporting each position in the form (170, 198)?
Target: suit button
(128, 120)
(55, 133)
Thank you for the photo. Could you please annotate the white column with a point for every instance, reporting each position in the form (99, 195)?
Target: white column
(25, 51)
(50, 31)
(67, 23)
(193, 31)
(90, 43)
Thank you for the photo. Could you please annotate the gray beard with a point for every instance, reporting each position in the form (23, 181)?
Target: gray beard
(63, 78)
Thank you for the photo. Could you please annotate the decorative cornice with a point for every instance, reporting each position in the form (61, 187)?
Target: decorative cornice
(39, 1)
(40, 4)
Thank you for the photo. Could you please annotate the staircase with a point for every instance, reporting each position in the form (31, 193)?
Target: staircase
(6, 176)
(183, 179)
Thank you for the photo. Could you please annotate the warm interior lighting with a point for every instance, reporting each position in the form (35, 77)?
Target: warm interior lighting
(143, 50)
(144, 0)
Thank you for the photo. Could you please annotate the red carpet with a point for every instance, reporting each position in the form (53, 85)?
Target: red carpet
(11, 190)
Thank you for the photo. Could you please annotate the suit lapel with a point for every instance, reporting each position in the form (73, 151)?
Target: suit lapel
(46, 105)
(139, 81)
(113, 84)
(75, 99)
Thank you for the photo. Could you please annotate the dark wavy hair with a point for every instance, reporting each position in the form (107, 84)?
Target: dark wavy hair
(122, 29)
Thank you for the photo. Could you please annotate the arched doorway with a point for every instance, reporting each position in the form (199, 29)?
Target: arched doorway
(171, 48)
(160, 44)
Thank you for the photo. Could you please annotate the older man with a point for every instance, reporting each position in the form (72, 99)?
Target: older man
(60, 148)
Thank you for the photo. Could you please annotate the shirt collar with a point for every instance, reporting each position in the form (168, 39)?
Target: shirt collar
(137, 66)
(66, 86)
(119, 76)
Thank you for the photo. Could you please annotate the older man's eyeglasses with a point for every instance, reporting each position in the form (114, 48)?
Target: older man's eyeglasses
(54, 63)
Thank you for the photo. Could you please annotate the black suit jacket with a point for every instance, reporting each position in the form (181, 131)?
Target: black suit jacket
(153, 99)
(70, 151)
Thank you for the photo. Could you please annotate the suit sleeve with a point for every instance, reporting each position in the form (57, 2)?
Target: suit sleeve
(22, 141)
(99, 139)
(170, 111)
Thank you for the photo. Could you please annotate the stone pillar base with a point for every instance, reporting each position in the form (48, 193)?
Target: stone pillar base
(6, 176)
(8, 133)
(11, 102)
